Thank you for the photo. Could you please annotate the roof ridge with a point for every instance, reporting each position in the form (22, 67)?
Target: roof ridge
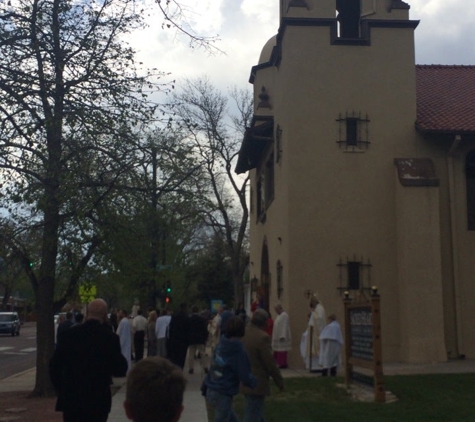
(446, 66)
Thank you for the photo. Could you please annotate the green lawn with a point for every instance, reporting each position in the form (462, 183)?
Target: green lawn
(422, 398)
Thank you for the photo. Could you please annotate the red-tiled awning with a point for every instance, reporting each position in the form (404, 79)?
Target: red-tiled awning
(445, 98)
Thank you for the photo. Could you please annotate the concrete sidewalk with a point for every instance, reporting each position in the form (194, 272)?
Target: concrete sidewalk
(194, 403)
(195, 410)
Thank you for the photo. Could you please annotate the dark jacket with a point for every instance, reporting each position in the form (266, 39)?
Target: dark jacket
(225, 317)
(86, 358)
(177, 343)
(198, 333)
(230, 366)
(258, 347)
(64, 326)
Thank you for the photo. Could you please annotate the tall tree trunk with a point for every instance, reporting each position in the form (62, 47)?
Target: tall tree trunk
(46, 284)
(47, 279)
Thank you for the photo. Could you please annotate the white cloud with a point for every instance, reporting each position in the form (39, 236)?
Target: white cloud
(444, 36)
(264, 11)
(206, 15)
(445, 32)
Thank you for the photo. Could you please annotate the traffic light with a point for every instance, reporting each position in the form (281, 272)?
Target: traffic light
(168, 291)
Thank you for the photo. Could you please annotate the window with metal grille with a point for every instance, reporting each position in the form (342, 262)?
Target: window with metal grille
(354, 274)
(353, 133)
(278, 144)
(280, 287)
(265, 188)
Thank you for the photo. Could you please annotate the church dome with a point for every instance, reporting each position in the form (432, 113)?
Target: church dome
(267, 50)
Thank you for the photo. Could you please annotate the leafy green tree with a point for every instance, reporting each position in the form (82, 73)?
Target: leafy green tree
(217, 134)
(70, 88)
(146, 244)
(210, 274)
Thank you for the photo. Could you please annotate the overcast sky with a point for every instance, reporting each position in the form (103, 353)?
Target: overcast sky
(445, 35)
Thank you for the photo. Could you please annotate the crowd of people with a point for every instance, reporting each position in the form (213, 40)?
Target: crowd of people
(236, 352)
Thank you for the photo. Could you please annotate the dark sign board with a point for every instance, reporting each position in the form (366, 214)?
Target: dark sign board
(363, 343)
(361, 333)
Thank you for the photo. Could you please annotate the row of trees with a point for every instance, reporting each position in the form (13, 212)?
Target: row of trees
(95, 185)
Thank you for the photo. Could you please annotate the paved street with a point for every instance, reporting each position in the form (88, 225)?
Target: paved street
(18, 353)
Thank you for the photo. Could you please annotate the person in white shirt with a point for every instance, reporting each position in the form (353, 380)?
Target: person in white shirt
(124, 331)
(161, 330)
(139, 325)
(281, 339)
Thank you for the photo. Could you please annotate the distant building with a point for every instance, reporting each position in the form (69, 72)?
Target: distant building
(14, 304)
(362, 172)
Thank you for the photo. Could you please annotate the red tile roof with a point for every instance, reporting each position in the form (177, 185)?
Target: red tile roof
(445, 98)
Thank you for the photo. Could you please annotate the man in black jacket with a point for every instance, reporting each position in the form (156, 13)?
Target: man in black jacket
(178, 341)
(86, 358)
(198, 334)
(65, 325)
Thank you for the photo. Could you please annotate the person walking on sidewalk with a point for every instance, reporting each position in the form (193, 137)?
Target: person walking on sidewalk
(81, 369)
(139, 325)
(257, 344)
(124, 331)
(151, 336)
(229, 367)
(161, 331)
(154, 391)
(198, 334)
(65, 325)
(178, 330)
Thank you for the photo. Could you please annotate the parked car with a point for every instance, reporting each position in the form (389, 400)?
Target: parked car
(10, 323)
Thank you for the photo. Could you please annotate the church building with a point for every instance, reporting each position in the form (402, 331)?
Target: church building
(362, 169)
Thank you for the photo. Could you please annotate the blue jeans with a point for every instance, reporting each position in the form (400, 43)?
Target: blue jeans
(254, 408)
(223, 406)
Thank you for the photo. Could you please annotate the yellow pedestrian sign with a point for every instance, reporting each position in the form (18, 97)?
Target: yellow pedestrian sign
(87, 292)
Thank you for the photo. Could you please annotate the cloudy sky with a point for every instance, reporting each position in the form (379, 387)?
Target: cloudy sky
(445, 35)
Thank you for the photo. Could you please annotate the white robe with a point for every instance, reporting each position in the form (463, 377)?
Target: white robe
(310, 343)
(331, 342)
(124, 331)
(281, 339)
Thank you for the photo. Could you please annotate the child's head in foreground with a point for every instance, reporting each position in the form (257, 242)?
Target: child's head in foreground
(155, 390)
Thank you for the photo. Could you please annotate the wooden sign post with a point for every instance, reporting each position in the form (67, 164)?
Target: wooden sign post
(363, 343)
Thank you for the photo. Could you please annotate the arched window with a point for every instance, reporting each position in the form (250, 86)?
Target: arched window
(470, 176)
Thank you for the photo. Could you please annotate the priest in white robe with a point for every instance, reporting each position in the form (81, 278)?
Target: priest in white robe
(331, 342)
(310, 343)
(124, 331)
(281, 339)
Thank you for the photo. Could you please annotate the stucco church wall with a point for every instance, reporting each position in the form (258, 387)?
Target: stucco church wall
(351, 210)
(346, 199)
(331, 205)
(464, 254)
(420, 275)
